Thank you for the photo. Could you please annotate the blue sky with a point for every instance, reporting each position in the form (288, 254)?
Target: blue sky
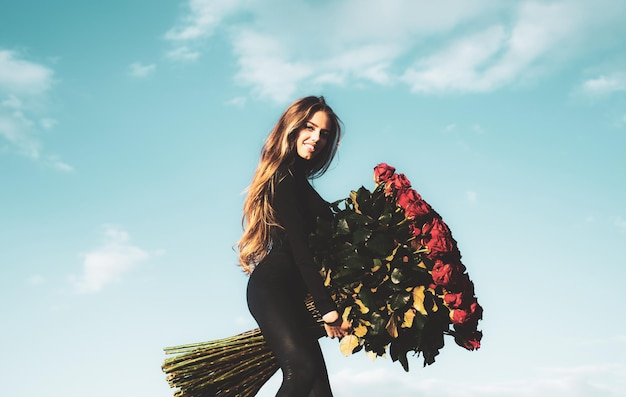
(129, 130)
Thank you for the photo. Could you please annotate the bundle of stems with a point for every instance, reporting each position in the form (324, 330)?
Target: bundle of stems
(235, 366)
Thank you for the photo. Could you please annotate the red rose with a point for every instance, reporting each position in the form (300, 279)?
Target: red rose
(459, 316)
(412, 203)
(455, 300)
(399, 181)
(462, 316)
(382, 172)
(416, 231)
(468, 339)
(417, 208)
(463, 283)
(446, 274)
(437, 238)
(407, 196)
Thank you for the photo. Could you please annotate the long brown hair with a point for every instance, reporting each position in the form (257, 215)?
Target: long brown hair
(279, 149)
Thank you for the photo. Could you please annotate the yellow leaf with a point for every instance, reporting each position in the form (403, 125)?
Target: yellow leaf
(354, 202)
(348, 344)
(357, 289)
(409, 315)
(346, 312)
(371, 355)
(393, 254)
(392, 328)
(422, 265)
(360, 330)
(327, 281)
(362, 307)
(418, 299)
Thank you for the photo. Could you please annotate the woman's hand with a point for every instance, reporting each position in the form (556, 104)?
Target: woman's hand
(335, 325)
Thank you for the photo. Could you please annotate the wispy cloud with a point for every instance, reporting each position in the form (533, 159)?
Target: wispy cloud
(450, 127)
(499, 55)
(589, 381)
(108, 263)
(198, 22)
(23, 88)
(183, 54)
(140, 71)
(36, 280)
(605, 84)
(471, 196)
(265, 65)
(450, 46)
(22, 77)
(619, 223)
(478, 129)
(237, 101)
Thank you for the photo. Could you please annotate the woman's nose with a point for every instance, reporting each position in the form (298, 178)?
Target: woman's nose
(315, 135)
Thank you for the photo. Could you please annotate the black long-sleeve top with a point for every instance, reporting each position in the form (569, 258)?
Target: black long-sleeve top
(297, 206)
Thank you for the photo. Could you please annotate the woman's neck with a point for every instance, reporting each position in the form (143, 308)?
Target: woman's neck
(300, 166)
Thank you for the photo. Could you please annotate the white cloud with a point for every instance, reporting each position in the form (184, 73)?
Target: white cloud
(453, 45)
(48, 123)
(108, 263)
(237, 101)
(328, 43)
(591, 381)
(471, 196)
(21, 77)
(36, 280)
(183, 53)
(200, 20)
(458, 68)
(140, 70)
(202, 17)
(619, 223)
(450, 127)
(23, 88)
(57, 163)
(478, 129)
(499, 55)
(17, 130)
(264, 66)
(605, 85)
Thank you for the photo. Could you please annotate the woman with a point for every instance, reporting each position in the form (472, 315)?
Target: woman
(280, 212)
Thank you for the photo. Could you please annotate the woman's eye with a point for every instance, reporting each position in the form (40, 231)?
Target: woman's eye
(310, 127)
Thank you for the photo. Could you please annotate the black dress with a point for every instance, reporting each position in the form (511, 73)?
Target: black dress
(278, 285)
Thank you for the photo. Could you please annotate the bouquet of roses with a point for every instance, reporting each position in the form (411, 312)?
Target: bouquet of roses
(391, 264)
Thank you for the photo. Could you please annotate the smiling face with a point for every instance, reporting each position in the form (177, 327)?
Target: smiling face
(313, 137)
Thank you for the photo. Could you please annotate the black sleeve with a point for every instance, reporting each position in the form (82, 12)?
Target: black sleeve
(285, 204)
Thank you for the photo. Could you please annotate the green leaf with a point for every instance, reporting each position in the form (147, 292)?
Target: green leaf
(361, 235)
(399, 300)
(419, 321)
(396, 276)
(380, 244)
(342, 227)
(398, 353)
(378, 323)
(385, 218)
(365, 295)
